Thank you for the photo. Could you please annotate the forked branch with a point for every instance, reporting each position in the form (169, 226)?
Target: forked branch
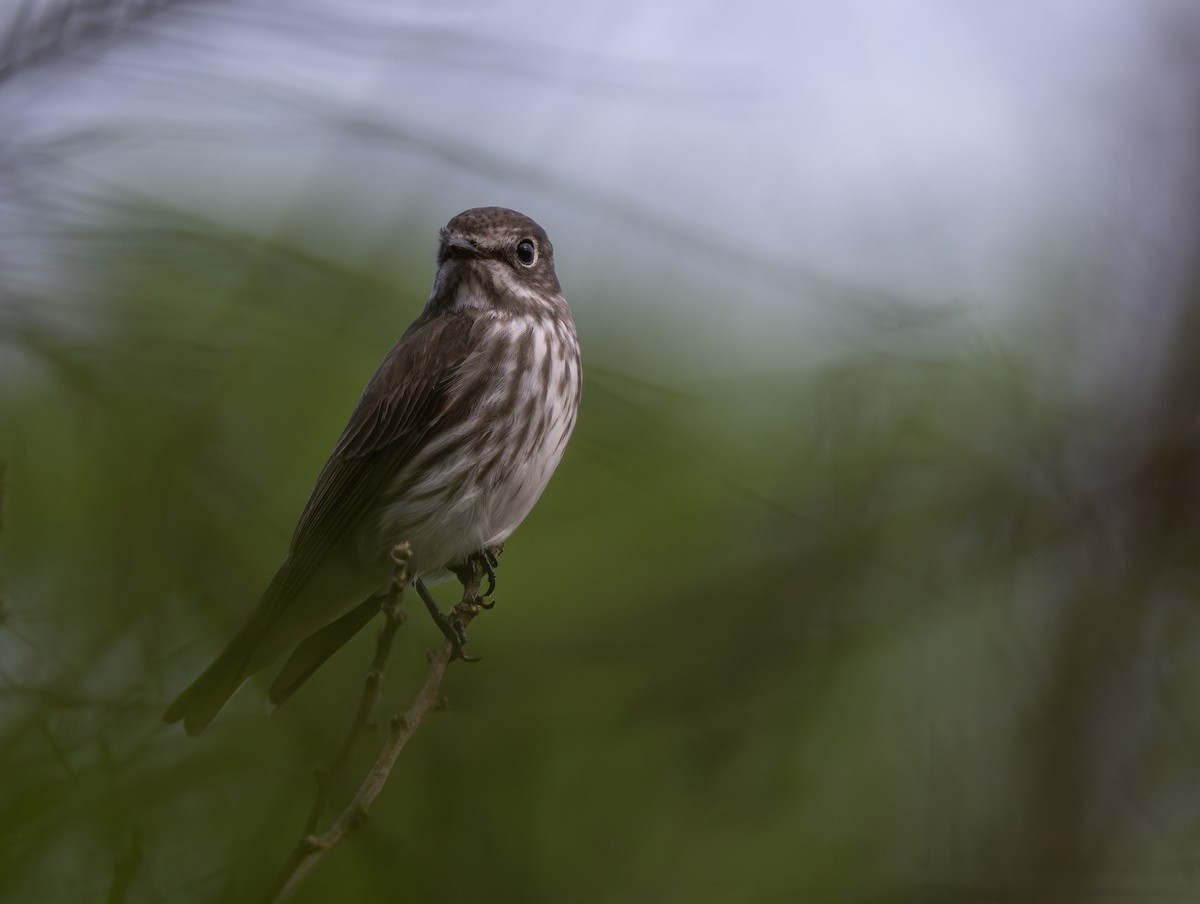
(312, 847)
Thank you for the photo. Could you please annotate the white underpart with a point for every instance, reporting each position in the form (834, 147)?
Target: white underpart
(472, 294)
(487, 508)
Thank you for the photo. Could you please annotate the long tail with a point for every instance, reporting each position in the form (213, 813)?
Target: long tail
(203, 698)
(319, 646)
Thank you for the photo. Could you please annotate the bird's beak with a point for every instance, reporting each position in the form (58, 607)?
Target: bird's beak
(459, 246)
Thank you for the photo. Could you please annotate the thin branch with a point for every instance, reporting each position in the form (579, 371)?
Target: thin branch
(393, 617)
(312, 848)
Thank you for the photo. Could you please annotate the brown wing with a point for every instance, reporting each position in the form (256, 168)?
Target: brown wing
(406, 397)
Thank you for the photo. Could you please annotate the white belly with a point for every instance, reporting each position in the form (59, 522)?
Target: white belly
(502, 468)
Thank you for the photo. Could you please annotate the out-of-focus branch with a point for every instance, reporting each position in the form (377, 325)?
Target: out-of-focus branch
(312, 848)
(34, 35)
(3, 491)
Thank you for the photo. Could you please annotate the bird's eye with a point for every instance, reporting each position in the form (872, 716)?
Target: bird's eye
(527, 252)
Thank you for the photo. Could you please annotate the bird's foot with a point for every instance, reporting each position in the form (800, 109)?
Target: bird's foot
(452, 626)
(485, 560)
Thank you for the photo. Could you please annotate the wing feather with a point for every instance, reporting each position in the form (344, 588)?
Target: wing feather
(406, 398)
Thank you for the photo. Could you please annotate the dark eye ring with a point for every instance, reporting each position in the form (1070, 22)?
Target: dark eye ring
(527, 252)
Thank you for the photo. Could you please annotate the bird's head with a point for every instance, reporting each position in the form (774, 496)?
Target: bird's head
(493, 257)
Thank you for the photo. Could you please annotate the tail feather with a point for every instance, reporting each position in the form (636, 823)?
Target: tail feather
(276, 625)
(319, 646)
(207, 695)
(252, 647)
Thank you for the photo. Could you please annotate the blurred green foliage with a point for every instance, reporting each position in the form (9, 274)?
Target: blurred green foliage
(917, 623)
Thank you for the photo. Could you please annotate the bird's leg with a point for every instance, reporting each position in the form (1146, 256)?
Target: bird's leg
(451, 628)
(469, 573)
(488, 561)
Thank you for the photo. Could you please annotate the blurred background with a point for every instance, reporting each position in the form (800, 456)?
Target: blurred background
(872, 573)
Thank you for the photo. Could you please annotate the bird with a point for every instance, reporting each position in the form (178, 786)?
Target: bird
(451, 443)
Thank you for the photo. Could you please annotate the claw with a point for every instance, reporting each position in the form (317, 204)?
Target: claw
(452, 627)
(452, 630)
(489, 561)
(460, 639)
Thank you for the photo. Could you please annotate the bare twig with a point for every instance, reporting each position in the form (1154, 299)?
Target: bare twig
(312, 848)
(393, 617)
